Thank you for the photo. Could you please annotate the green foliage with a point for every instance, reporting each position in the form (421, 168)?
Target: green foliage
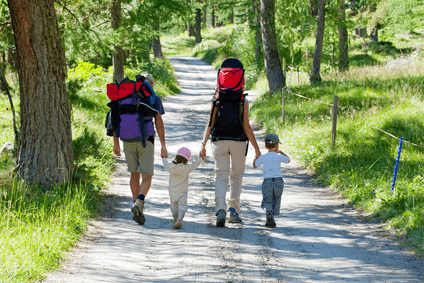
(361, 165)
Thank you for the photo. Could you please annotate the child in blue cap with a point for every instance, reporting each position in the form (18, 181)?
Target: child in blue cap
(273, 184)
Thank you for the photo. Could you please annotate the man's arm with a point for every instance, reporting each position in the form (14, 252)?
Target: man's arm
(161, 132)
(248, 130)
(116, 147)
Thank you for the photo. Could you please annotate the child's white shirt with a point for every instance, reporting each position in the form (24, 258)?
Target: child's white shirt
(271, 163)
(178, 179)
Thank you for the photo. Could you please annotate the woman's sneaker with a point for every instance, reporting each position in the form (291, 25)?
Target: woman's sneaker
(234, 217)
(220, 218)
(270, 219)
(137, 210)
(178, 223)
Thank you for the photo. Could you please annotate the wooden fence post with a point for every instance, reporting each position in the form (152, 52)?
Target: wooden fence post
(333, 133)
(283, 107)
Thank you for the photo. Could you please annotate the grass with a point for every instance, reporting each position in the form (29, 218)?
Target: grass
(38, 227)
(362, 163)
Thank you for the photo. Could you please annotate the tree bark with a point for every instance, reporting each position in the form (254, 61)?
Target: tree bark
(118, 57)
(231, 17)
(213, 17)
(316, 64)
(313, 11)
(157, 46)
(198, 25)
(191, 29)
(343, 47)
(45, 154)
(256, 13)
(274, 72)
(374, 33)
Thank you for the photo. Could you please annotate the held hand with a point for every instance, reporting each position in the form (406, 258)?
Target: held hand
(257, 154)
(202, 152)
(163, 152)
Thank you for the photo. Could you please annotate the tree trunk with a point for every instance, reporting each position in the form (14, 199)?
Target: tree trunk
(198, 25)
(157, 47)
(191, 29)
(45, 155)
(118, 56)
(313, 11)
(231, 19)
(213, 17)
(256, 13)
(374, 33)
(274, 72)
(205, 15)
(342, 30)
(316, 64)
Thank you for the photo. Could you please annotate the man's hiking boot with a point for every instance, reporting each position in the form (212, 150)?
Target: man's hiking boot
(137, 210)
(178, 223)
(234, 217)
(270, 219)
(220, 218)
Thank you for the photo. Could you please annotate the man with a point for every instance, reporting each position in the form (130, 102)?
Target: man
(140, 159)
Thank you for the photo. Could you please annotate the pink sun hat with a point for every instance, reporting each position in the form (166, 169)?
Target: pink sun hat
(185, 152)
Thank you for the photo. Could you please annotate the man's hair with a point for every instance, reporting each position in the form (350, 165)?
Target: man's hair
(180, 159)
(149, 77)
(270, 145)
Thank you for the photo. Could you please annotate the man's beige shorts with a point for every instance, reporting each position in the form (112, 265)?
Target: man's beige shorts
(139, 159)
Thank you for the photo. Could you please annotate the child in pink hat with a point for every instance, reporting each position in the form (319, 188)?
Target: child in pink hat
(178, 183)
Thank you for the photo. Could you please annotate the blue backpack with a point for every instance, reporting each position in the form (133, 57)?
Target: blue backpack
(131, 107)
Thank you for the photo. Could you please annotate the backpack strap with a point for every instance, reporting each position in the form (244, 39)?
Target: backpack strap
(215, 104)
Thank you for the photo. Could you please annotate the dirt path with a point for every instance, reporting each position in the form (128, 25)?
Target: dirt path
(317, 239)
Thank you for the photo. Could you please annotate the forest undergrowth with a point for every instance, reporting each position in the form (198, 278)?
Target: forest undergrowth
(37, 227)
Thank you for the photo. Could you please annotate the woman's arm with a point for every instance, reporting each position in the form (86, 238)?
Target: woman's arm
(207, 132)
(248, 130)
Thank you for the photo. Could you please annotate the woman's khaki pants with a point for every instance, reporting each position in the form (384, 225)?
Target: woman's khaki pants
(230, 159)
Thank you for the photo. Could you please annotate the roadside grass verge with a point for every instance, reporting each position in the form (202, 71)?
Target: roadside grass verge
(37, 227)
(362, 163)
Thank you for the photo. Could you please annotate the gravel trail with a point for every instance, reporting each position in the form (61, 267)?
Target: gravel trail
(318, 238)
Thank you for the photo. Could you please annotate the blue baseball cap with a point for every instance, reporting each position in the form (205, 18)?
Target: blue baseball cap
(272, 139)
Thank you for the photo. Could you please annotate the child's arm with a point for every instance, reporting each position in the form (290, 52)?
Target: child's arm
(280, 152)
(190, 168)
(288, 158)
(166, 164)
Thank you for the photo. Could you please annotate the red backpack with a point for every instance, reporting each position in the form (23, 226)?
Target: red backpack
(231, 78)
(229, 102)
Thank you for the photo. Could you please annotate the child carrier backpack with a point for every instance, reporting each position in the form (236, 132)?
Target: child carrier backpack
(228, 102)
(131, 107)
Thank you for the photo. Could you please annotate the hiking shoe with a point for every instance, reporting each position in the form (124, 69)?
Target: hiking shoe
(220, 218)
(178, 223)
(270, 219)
(137, 210)
(234, 217)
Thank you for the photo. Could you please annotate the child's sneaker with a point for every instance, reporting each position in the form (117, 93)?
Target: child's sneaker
(178, 223)
(137, 210)
(220, 218)
(270, 219)
(234, 217)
